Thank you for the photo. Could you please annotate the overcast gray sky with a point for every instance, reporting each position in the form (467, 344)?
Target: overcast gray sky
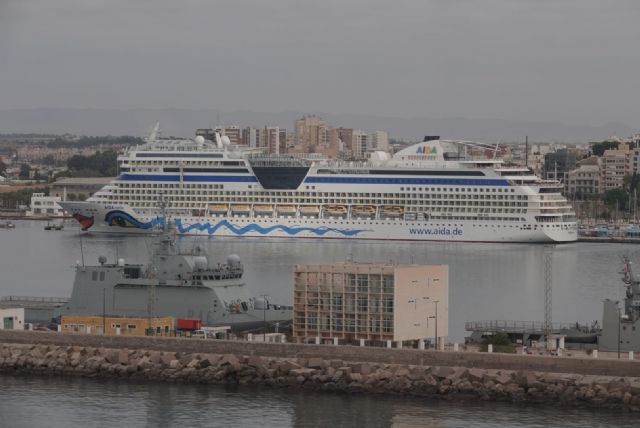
(570, 61)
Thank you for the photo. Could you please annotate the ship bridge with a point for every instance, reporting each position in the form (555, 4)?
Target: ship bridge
(279, 172)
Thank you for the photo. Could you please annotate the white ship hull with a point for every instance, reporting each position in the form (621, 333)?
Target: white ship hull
(327, 228)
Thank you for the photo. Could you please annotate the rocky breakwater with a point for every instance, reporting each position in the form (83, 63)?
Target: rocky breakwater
(324, 375)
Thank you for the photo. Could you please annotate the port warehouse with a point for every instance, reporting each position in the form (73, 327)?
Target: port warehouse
(125, 326)
(371, 301)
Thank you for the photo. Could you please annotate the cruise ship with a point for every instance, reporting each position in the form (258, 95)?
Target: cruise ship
(431, 191)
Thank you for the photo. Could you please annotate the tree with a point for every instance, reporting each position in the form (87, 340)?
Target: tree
(616, 199)
(599, 148)
(100, 164)
(500, 341)
(3, 168)
(25, 171)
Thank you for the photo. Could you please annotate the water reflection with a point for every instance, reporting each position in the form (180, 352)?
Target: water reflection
(28, 401)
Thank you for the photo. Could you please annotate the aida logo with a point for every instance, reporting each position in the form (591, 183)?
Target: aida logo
(424, 150)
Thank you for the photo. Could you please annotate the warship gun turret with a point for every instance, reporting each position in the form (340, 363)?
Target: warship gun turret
(177, 282)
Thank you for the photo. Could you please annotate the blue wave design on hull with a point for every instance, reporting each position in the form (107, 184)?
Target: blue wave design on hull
(121, 218)
(211, 229)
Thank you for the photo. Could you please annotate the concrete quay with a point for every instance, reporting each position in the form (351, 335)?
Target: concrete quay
(434, 374)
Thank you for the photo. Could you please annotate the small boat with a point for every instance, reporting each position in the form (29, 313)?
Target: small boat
(7, 225)
(240, 208)
(263, 209)
(335, 210)
(392, 211)
(53, 226)
(286, 209)
(363, 211)
(309, 209)
(218, 208)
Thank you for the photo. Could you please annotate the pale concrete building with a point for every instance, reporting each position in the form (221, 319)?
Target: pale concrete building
(615, 165)
(584, 181)
(360, 144)
(45, 206)
(312, 133)
(378, 140)
(371, 301)
(12, 319)
(125, 326)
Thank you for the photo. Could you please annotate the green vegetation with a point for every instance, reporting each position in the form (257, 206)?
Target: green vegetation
(599, 148)
(124, 140)
(500, 342)
(3, 168)
(101, 164)
(11, 200)
(25, 171)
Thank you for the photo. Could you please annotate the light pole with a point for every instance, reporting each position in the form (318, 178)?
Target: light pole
(430, 318)
(264, 316)
(436, 302)
(619, 321)
(104, 311)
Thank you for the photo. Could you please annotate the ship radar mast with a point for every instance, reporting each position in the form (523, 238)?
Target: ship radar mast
(153, 134)
(632, 298)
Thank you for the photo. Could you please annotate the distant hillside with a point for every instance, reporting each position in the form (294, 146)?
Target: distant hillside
(183, 122)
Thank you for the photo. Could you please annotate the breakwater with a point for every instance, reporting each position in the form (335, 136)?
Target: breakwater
(327, 369)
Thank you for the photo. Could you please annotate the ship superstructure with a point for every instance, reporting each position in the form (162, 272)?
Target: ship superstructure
(433, 190)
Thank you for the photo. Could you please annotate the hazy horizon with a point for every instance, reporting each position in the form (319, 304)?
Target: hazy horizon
(570, 63)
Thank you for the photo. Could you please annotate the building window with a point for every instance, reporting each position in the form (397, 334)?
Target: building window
(387, 283)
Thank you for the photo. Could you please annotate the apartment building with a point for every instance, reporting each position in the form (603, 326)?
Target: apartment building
(615, 165)
(584, 181)
(371, 301)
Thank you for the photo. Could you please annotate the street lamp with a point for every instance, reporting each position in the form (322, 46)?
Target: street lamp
(430, 318)
(436, 302)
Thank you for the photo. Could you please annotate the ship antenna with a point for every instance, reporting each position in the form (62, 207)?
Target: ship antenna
(153, 135)
(81, 251)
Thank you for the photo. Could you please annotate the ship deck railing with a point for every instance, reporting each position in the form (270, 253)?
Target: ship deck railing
(521, 326)
(31, 302)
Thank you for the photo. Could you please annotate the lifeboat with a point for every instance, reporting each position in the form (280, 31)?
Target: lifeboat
(363, 210)
(286, 209)
(218, 208)
(263, 209)
(392, 211)
(335, 209)
(240, 208)
(309, 209)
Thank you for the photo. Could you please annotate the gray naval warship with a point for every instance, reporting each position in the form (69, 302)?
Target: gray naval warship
(177, 282)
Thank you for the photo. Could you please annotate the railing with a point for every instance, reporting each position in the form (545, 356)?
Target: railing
(519, 326)
(33, 299)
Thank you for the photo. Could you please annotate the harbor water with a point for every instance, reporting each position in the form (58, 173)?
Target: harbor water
(487, 281)
(27, 402)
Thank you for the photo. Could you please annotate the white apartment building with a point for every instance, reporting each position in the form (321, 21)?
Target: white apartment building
(615, 166)
(584, 181)
(378, 140)
(45, 206)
